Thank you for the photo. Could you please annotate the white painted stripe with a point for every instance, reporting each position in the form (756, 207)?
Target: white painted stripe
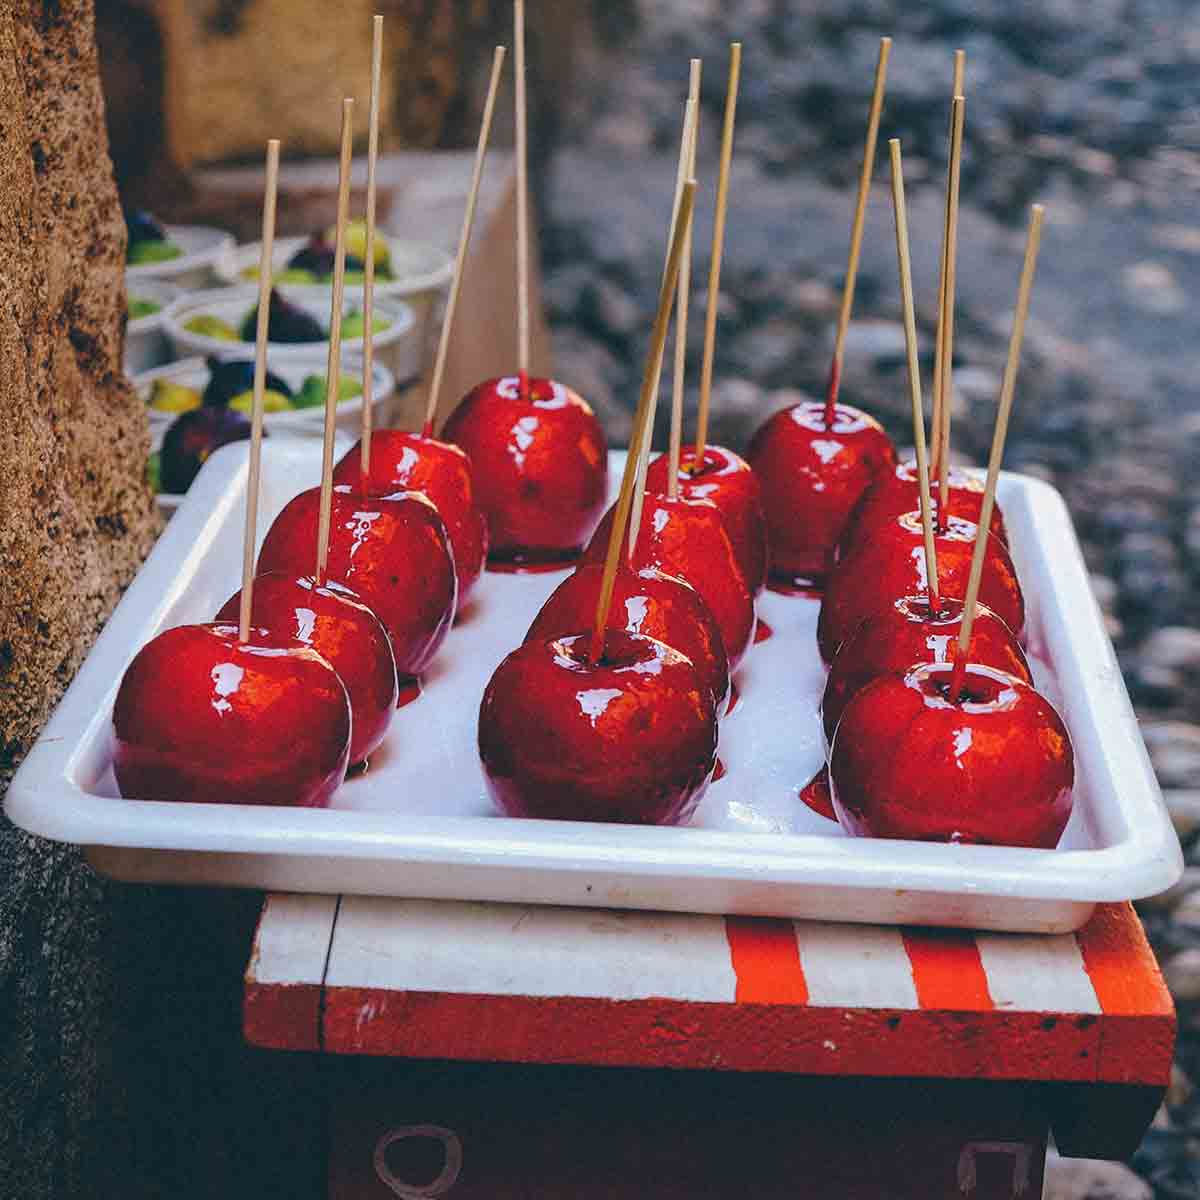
(1036, 973)
(855, 966)
(529, 950)
(292, 941)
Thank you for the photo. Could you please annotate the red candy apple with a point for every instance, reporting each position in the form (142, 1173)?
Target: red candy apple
(994, 767)
(345, 632)
(904, 633)
(391, 552)
(688, 538)
(540, 466)
(202, 717)
(630, 739)
(892, 564)
(408, 462)
(649, 602)
(812, 475)
(724, 478)
(897, 491)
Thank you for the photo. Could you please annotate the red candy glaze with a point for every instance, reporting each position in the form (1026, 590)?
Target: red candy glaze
(540, 466)
(633, 739)
(649, 602)
(724, 478)
(996, 767)
(901, 635)
(392, 552)
(897, 491)
(345, 632)
(688, 538)
(408, 462)
(203, 718)
(812, 476)
(892, 565)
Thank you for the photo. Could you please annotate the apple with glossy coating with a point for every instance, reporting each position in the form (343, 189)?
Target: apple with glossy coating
(993, 767)
(631, 739)
(539, 462)
(409, 462)
(812, 474)
(332, 621)
(203, 718)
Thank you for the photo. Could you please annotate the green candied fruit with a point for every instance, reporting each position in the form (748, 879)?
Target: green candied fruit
(312, 391)
(142, 308)
(208, 325)
(140, 253)
(166, 396)
(353, 325)
(154, 472)
(273, 402)
(287, 275)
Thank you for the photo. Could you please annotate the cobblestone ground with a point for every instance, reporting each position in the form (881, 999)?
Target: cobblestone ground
(1086, 105)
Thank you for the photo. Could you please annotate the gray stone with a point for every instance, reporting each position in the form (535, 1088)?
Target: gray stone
(875, 340)
(1175, 647)
(1181, 1089)
(1105, 591)
(1182, 973)
(1183, 805)
(1174, 748)
(1092, 1179)
(1184, 891)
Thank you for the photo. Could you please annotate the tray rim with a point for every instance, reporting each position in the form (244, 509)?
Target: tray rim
(45, 799)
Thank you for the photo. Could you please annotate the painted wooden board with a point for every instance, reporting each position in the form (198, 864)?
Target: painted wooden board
(512, 983)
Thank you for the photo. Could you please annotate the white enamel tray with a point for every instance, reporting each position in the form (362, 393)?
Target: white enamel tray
(418, 823)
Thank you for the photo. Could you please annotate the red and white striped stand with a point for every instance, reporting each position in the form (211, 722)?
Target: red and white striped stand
(672, 1055)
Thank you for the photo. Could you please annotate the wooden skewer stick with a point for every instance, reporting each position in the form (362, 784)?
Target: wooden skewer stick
(658, 338)
(682, 175)
(1003, 411)
(856, 231)
(718, 249)
(935, 431)
(334, 362)
(368, 380)
(522, 198)
(681, 301)
(260, 382)
(944, 382)
(464, 241)
(914, 371)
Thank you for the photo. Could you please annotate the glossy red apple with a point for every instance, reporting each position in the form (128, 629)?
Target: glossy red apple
(332, 621)
(539, 463)
(812, 475)
(646, 601)
(897, 491)
(632, 739)
(892, 565)
(392, 552)
(995, 767)
(408, 462)
(900, 635)
(688, 538)
(726, 479)
(203, 718)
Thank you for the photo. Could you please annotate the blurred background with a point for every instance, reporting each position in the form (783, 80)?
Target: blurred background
(1089, 106)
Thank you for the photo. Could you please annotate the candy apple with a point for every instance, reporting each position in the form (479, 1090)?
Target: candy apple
(645, 601)
(402, 461)
(726, 479)
(202, 717)
(994, 766)
(892, 565)
(392, 552)
(897, 491)
(812, 474)
(904, 633)
(688, 538)
(345, 632)
(630, 739)
(540, 466)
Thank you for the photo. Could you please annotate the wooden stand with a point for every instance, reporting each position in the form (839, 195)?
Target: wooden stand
(806, 1058)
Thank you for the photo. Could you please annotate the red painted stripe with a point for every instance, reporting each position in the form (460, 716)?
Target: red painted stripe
(947, 970)
(766, 961)
(1121, 965)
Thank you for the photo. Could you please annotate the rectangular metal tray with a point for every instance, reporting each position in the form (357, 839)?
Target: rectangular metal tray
(418, 823)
